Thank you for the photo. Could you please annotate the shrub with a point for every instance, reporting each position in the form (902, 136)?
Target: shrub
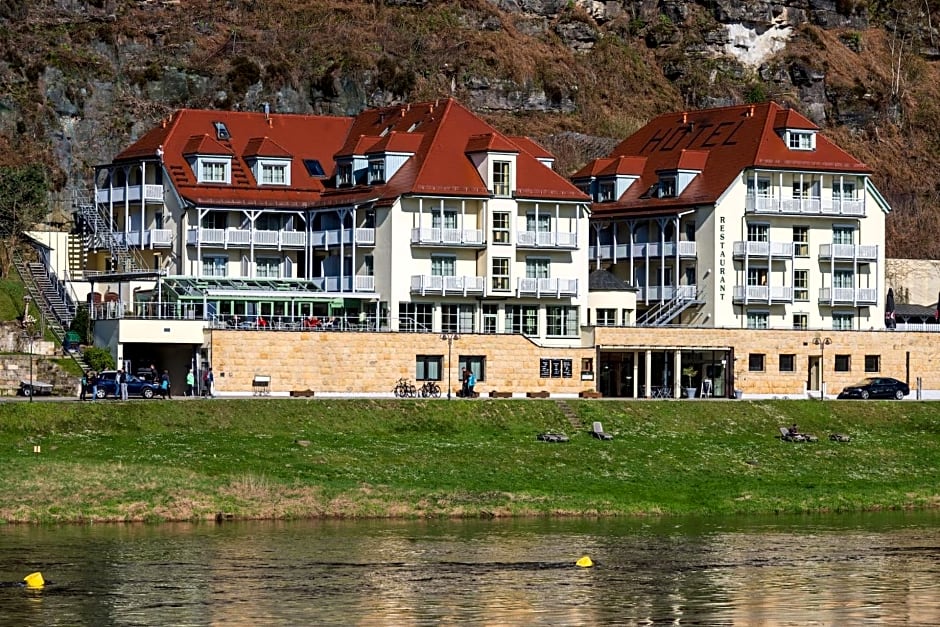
(99, 358)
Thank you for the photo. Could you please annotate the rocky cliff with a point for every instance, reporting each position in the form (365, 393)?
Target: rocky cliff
(82, 78)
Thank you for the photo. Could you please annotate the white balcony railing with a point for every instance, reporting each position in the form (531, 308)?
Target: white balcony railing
(866, 252)
(430, 284)
(447, 237)
(546, 239)
(763, 249)
(763, 294)
(244, 237)
(150, 238)
(666, 292)
(547, 287)
(848, 296)
(151, 193)
(335, 283)
(641, 249)
(804, 206)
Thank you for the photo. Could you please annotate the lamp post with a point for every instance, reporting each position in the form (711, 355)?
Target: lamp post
(822, 343)
(28, 329)
(449, 338)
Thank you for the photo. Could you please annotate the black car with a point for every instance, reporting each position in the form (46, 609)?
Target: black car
(876, 387)
(107, 386)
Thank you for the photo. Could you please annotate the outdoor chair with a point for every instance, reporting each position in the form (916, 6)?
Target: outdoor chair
(597, 431)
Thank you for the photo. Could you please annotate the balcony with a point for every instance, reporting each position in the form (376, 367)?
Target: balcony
(666, 292)
(447, 237)
(546, 239)
(763, 249)
(685, 248)
(849, 252)
(547, 287)
(804, 206)
(848, 296)
(151, 193)
(328, 238)
(335, 283)
(241, 238)
(150, 238)
(461, 285)
(767, 294)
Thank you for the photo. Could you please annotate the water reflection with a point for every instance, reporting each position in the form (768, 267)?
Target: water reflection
(821, 570)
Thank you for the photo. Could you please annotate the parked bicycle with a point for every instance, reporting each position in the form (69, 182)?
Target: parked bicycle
(430, 389)
(405, 389)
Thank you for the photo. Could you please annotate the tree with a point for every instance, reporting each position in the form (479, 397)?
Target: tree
(23, 192)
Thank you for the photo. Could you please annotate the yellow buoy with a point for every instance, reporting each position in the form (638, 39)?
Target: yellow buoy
(34, 580)
(584, 562)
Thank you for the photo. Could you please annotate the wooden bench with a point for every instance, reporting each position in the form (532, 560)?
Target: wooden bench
(590, 394)
(539, 394)
(495, 394)
(302, 393)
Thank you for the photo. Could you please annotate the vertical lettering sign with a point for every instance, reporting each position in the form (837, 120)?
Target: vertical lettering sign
(722, 259)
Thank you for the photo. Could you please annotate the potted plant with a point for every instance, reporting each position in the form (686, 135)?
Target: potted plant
(690, 373)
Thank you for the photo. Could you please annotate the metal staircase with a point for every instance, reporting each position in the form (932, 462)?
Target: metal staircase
(97, 230)
(664, 312)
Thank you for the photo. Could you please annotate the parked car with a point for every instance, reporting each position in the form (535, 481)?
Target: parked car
(107, 386)
(876, 387)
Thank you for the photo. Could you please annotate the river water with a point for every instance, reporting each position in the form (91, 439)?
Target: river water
(823, 570)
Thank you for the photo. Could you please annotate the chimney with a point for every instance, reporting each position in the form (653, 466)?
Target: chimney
(685, 117)
(750, 111)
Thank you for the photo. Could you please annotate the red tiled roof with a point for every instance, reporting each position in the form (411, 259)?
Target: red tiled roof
(531, 146)
(490, 142)
(251, 134)
(721, 143)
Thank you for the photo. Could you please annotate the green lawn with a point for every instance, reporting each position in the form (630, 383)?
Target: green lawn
(290, 458)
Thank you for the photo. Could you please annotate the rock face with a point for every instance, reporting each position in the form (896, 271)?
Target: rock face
(87, 77)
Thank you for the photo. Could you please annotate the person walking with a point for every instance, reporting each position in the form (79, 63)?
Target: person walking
(210, 381)
(190, 382)
(84, 387)
(122, 381)
(165, 385)
(93, 382)
(471, 381)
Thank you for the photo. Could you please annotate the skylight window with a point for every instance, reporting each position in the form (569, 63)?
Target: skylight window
(314, 168)
(221, 131)
(414, 126)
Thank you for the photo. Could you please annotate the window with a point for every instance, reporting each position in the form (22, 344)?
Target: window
(273, 174)
(843, 363)
(801, 284)
(537, 268)
(490, 315)
(843, 279)
(763, 188)
(415, 316)
(268, 268)
(500, 228)
(221, 131)
(428, 367)
(457, 318)
(215, 220)
(605, 192)
(801, 140)
(344, 174)
(269, 222)
(758, 232)
(757, 276)
(667, 187)
(787, 363)
(843, 190)
(872, 363)
(805, 189)
(843, 235)
(213, 171)
(449, 217)
(475, 364)
(561, 321)
(606, 317)
(500, 275)
(541, 223)
(215, 265)
(501, 178)
(842, 321)
(758, 320)
(522, 319)
(377, 171)
(755, 362)
(801, 241)
(800, 321)
(314, 168)
(443, 265)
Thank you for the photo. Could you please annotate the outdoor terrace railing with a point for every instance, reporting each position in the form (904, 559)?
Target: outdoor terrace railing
(432, 284)
(447, 237)
(763, 249)
(231, 237)
(640, 250)
(547, 287)
(804, 206)
(762, 294)
(546, 239)
(848, 295)
(848, 252)
(151, 193)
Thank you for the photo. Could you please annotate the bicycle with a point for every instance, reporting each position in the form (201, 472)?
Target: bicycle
(430, 389)
(404, 389)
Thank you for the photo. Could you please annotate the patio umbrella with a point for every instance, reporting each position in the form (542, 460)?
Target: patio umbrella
(889, 310)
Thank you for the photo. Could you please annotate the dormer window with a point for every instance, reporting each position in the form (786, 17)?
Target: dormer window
(501, 178)
(801, 140)
(605, 192)
(344, 174)
(213, 171)
(273, 174)
(376, 171)
(667, 187)
(221, 131)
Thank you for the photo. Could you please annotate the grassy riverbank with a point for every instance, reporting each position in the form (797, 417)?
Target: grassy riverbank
(293, 458)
